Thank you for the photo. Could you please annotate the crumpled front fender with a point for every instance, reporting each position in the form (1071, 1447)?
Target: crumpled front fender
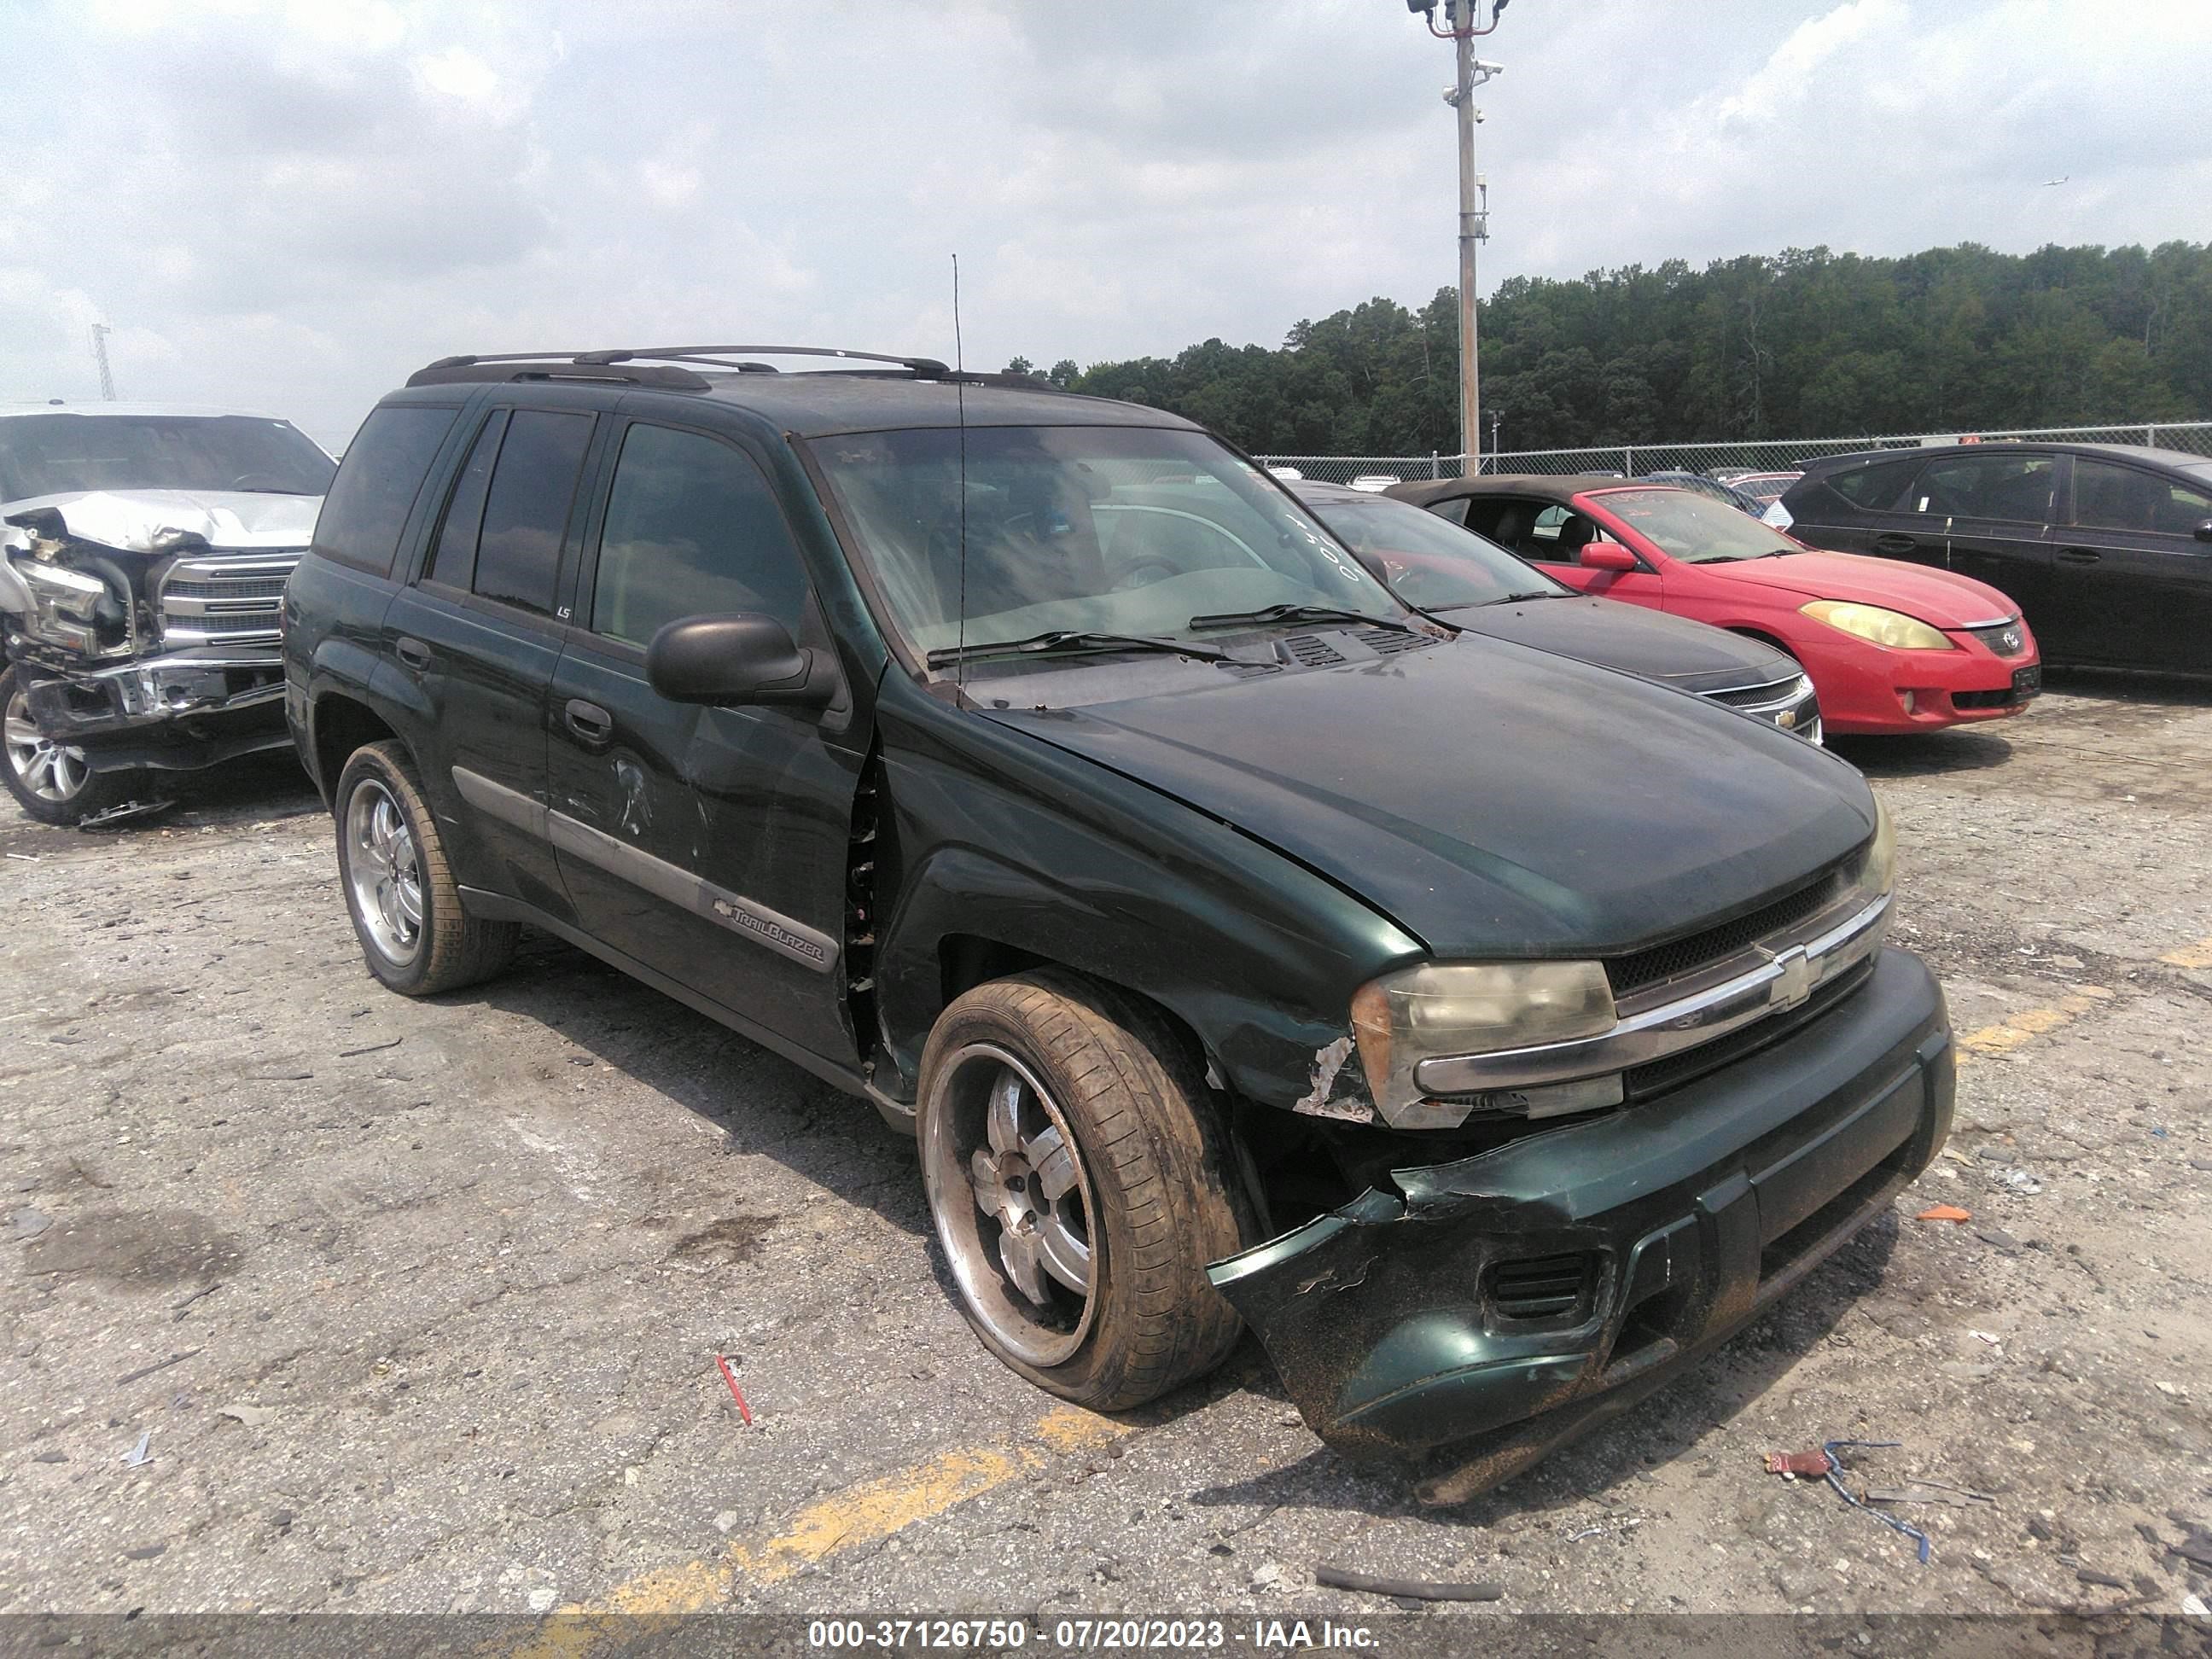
(1566, 1272)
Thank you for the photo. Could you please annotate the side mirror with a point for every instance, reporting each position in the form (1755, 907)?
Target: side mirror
(2203, 532)
(743, 659)
(1607, 556)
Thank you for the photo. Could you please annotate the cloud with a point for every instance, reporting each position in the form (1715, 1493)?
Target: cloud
(1788, 75)
(291, 205)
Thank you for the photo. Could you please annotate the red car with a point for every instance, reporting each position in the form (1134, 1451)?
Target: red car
(1889, 646)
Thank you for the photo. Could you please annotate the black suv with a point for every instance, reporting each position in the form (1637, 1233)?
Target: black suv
(1489, 1030)
(2107, 548)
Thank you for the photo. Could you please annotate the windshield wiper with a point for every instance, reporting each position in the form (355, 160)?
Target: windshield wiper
(1271, 613)
(1072, 639)
(1515, 599)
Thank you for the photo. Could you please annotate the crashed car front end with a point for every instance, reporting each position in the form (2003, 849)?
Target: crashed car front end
(141, 642)
(1494, 1303)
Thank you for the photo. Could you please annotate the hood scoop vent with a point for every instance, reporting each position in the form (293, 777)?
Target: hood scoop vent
(1388, 642)
(1311, 651)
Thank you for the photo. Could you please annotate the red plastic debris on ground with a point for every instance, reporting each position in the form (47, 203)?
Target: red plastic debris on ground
(736, 1393)
(1813, 1465)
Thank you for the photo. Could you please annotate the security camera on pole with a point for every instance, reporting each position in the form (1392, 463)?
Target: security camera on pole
(1463, 24)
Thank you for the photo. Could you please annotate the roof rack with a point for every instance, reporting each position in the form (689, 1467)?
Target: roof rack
(674, 368)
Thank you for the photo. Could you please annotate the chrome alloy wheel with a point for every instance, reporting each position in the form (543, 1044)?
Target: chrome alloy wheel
(49, 770)
(385, 871)
(1012, 1204)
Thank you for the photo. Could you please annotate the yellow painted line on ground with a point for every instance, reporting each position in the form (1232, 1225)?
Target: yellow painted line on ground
(861, 1516)
(2198, 955)
(2018, 1029)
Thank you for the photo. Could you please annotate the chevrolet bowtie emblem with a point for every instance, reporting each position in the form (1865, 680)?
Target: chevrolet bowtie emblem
(1796, 983)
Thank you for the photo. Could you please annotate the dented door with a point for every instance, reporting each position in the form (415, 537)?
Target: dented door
(709, 844)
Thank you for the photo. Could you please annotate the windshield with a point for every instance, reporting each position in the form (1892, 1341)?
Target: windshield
(1428, 562)
(1119, 530)
(54, 454)
(1695, 529)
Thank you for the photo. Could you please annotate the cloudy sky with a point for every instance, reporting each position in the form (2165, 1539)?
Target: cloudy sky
(288, 204)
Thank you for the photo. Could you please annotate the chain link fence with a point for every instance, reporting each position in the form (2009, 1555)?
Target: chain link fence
(1764, 455)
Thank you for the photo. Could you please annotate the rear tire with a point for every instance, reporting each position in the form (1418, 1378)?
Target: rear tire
(399, 891)
(1079, 1183)
(52, 781)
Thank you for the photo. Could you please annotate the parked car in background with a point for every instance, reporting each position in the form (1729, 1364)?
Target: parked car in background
(1374, 483)
(141, 569)
(2107, 547)
(1491, 1032)
(1889, 648)
(1765, 487)
(1727, 494)
(1471, 583)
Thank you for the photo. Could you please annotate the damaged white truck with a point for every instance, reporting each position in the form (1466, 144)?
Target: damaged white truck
(144, 552)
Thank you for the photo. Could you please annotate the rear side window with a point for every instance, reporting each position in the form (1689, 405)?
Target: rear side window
(692, 529)
(526, 512)
(2016, 487)
(2112, 497)
(367, 509)
(453, 561)
(1875, 488)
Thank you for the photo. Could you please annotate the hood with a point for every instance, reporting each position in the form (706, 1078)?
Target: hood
(1651, 643)
(1489, 799)
(1942, 597)
(230, 519)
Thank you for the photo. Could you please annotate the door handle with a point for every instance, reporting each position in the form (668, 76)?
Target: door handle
(1894, 544)
(591, 724)
(413, 653)
(2079, 556)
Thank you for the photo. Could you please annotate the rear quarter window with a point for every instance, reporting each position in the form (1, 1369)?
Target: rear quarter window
(369, 501)
(1873, 488)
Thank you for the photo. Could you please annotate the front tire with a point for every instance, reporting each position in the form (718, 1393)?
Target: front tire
(52, 782)
(1079, 1183)
(399, 891)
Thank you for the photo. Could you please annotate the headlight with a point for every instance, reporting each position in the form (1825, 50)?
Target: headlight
(88, 589)
(65, 604)
(1870, 622)
(1443, 1008)
(1877, 870)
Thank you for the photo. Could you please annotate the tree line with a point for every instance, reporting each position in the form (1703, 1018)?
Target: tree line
(1805, 343)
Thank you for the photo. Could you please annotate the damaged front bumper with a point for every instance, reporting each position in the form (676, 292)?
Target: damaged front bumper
(1503, 1303)
(176, 713)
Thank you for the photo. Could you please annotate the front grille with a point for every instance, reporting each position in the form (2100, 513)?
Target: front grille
(1771, 691)
(1641, 1082)
(225, 600)
(1686, 955)
(2004, 699)
(2006, 638)
(267, 587)
(1555, 1287)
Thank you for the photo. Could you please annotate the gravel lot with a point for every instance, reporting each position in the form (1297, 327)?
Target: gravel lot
(415, 1307)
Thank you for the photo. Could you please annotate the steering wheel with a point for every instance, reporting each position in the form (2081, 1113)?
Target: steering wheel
(1135, 576)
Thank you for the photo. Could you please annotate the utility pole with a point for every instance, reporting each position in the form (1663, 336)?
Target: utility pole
(1471, 231)
(1462, 28)
(99, 333)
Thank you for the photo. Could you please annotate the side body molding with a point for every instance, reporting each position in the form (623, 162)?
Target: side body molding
(664, 880)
